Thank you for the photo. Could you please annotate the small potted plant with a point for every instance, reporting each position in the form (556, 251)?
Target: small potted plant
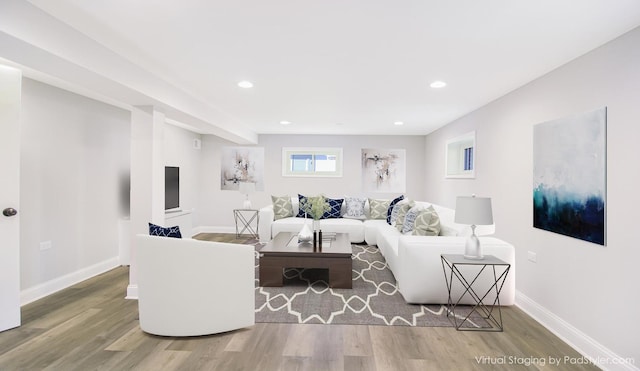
(316, 207)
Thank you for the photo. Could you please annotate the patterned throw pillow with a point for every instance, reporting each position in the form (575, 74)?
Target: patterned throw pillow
(402, 213)
(427, 223)
(410, 218)
(391, 205)
(378, 208)
(396, 211)
(156, 230)
(282, 207)
(336, 208)
(301, 201)
(354, 208)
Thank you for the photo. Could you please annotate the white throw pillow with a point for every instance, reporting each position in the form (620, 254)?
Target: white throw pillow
(354, 208)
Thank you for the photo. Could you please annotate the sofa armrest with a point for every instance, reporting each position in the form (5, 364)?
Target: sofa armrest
(420, 275)
(266, 216)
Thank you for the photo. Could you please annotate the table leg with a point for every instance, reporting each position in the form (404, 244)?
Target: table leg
(271, 276)
(340, 275)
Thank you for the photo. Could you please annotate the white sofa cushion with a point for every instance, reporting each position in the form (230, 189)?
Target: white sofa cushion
(388, 246)
(372, 228)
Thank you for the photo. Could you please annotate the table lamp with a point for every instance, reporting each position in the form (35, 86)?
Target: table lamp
(473, 211)
(246, 188)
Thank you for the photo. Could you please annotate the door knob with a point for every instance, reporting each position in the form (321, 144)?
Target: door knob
(9, 211)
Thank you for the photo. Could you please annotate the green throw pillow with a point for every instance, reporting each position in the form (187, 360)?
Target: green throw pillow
(378, 208)
(427, 223)
(282, 207)
(402, 213)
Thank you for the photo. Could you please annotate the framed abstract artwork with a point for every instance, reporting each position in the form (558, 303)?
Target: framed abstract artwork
(570, 176)
(384, 170)
(242, 164)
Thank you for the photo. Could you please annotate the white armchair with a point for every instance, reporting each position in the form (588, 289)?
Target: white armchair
(188, 287)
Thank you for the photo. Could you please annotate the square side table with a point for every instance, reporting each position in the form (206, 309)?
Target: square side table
(244, 219)
(451, 264)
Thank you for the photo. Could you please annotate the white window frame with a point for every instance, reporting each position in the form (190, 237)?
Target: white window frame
(287, 152)
(454, 156)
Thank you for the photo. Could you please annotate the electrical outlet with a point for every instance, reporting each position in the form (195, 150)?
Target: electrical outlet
(532, 257)
(45, 245)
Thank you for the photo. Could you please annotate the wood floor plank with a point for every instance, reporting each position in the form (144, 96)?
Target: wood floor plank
(90, 326)
(357, 341)
(162, 359)
(238, 340)
(40, 347)
(359, 363)
(301, 342)
(329, 348)
(128, 342)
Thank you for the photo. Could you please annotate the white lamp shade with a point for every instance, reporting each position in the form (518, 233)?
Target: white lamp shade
(473, 210)
(247, 188)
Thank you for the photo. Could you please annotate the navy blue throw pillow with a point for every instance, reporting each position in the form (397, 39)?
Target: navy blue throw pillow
(156, 230)
(336, 209)
(301, 201)
(391, 205)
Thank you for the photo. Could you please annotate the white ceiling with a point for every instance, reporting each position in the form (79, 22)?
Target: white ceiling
(347, 66)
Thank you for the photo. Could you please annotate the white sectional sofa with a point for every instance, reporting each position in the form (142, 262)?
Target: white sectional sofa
(414, 260)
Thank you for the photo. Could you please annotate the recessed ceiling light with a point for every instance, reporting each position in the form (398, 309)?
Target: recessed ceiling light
(438, 84)
(245, 84)
(285, 122)
(398, 123)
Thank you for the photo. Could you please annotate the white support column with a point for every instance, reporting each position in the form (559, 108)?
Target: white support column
(147, 179)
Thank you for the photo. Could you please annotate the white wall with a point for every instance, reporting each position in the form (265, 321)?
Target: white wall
(179, 151)
(581, 290)
(74, 163)
(216, 206)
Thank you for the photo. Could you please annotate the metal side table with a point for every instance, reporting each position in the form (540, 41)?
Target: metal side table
(452, 266)
(244, 219)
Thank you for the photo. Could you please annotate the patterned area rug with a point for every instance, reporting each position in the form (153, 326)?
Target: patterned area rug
(373, 300)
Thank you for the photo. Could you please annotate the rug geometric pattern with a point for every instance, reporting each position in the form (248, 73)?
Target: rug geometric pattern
(374, 299)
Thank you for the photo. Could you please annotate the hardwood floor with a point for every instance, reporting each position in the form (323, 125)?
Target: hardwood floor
(90, 326)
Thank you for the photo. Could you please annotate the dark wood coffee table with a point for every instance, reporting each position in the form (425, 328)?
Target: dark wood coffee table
(284, 251)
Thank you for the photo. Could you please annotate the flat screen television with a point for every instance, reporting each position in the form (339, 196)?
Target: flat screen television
(171, 187)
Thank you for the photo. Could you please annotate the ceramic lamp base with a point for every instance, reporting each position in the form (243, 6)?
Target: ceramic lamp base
(246, 204)
(472, 249)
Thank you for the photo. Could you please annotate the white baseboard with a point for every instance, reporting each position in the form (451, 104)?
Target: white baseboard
(211, 229)
(132, 292)
(600, 355)
(47, 288)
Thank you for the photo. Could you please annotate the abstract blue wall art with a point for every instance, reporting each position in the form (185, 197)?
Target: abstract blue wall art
(570, 176)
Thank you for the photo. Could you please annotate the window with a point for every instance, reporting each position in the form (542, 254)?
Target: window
(460, 156)
(468, 159)
(320, 162)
